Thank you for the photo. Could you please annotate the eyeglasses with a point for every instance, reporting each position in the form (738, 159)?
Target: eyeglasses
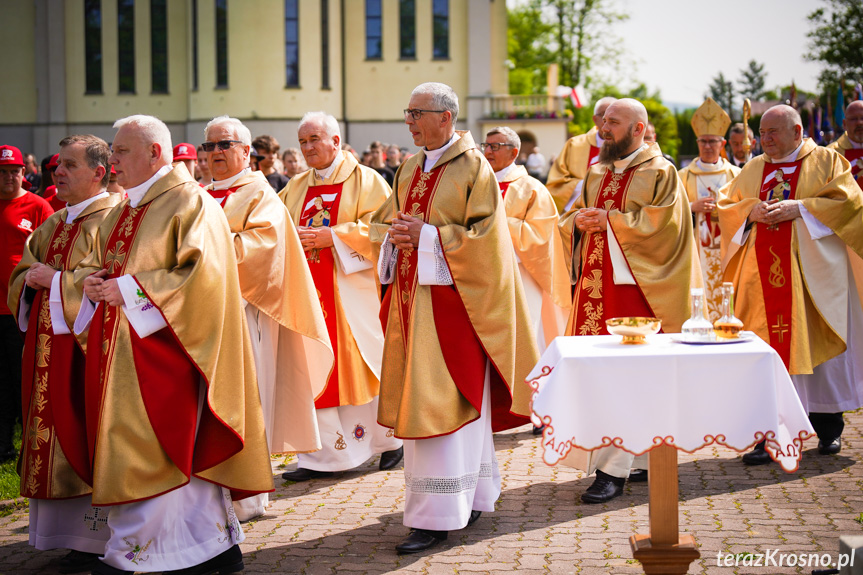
(709, 141)
(223, 145)
(416, 113)
(494, 147)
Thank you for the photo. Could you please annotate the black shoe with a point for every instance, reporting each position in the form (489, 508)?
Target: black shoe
(303, 474)
(390, 459)
(605, 488)
(104, 569)
(757, 456)
(637, 475)
(830, 447)
(420, 540)
(538, 430)
(474, 516)
(230, 561)
(78, 562)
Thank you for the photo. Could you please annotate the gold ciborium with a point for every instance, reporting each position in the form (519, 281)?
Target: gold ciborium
(633, 329)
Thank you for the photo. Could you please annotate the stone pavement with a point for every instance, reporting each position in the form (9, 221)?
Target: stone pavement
(350, 524)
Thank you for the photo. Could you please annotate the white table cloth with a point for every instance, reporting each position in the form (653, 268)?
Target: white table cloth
(593, 391)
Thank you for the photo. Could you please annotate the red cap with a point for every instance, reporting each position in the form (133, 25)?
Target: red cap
(185, 152)
(55, 162)
(11, 156)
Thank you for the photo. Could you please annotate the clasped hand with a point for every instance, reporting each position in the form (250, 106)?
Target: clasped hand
(315, 238)
(774, 212)
(97, 288)
(39, 276)
(405, 231)
(591, 220)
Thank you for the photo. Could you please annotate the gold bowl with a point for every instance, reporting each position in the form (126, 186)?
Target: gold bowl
(633, 329)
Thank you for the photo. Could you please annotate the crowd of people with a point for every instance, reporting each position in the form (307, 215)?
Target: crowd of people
(184, 311)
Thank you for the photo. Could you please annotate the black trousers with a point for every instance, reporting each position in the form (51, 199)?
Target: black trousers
(11, 347)
(828, 426)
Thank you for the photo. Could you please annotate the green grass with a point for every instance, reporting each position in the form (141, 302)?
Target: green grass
(9, 482)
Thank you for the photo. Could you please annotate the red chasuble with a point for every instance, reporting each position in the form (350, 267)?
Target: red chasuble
(321, 209)
(597, 297)
(855, 156)
(773, 253)
(54, 405)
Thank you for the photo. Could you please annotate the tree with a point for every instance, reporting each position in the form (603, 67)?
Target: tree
(528, 37)
(722, 91)
(752, 80)
(836, 40)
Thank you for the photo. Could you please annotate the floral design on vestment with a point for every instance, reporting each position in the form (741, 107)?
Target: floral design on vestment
(613, 185)
(421, 187)
(340, 442)
(128, 224)
(35, 466)
(596, 255)
(62, 239)
(41, 388)
(136, 551)
(45, 314)
(591, 324)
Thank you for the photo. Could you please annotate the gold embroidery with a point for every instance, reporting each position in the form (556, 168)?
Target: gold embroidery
(613, 186)
(594, 284)
(340, 442)
(56, 261)
(34, 467)
(777, 276)
(116, 257)
(43, 350)
(405, 266)
(321, 299)
(38, 434)
(390, 432)
(780, 328)
(608, 205)
(415, 211)
(128, 224)
(45, 312)
(41, 387)
(405, 297)
(591, 324)
(596, 255)
(421, 188)
(62, 239)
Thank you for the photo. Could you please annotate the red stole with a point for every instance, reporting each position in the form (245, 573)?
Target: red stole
(322, 264)
(503, 188)
(221, 196)
(773, 253)
(597, 297)
(855, 156)
(51, 384)
(592, 157)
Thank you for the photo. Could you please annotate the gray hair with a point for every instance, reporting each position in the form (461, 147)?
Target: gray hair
(96, 152)
(603, 103)
(508, 133)
(328, 122)
(443, 97)
(153, 130)
(241, 132)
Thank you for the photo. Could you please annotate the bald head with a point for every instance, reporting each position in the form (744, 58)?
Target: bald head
(781, 131)
(623, 129)
(853, 122)
(632, 108)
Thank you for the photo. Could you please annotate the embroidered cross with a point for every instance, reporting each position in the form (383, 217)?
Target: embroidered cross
(96, 518)
(594, 284)
(38, 434)
(116, 257)
(780, 328)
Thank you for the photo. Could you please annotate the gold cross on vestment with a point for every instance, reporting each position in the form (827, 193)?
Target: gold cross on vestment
(594, 284)
(115, 258)
(779, 328)
(38, 434)
(415, 211)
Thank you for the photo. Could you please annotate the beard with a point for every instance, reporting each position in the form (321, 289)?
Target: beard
(611, 150)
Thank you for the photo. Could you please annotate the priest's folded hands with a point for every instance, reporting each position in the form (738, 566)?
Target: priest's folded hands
(405, 231)
(97, 288)
(591, 220)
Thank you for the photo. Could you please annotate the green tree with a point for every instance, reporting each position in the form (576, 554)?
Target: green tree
(836, 40)
(722, 91)
(528, 37)
(752, 80)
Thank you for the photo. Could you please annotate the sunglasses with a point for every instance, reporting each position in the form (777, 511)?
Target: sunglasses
(223, 145)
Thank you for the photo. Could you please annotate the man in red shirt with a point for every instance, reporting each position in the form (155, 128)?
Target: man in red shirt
(20, 213)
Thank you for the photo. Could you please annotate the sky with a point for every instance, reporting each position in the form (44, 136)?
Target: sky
(678, 46)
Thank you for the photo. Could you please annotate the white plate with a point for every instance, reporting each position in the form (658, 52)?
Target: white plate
(744, 336)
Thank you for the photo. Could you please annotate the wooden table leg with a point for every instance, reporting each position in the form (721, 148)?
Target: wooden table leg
(664, 551)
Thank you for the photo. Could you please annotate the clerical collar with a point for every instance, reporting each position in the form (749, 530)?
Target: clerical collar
(72, 212)
(137, 193)
(432, 156)
(708, 167)
(855, 145)
(228, 182)
(328, 171)
(504, 172)
(623, 163)
(792, 157)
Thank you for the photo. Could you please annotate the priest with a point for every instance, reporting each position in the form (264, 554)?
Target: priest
(293, 355)
(792, 245)
(332, 204)
(631, 253)
(53, 463)
(703, 178)
(174, 423)
(458, 339)
(566, 176)
(850, 144)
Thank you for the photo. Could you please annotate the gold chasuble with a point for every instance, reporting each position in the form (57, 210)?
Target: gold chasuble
(790, 289)
(571, 167)
(854, 155)
(344, 202)
(701, 183)
(649, 215)
(532, 218)
(54, 458)
(145, 436)
(275, 279)
(440, 338)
